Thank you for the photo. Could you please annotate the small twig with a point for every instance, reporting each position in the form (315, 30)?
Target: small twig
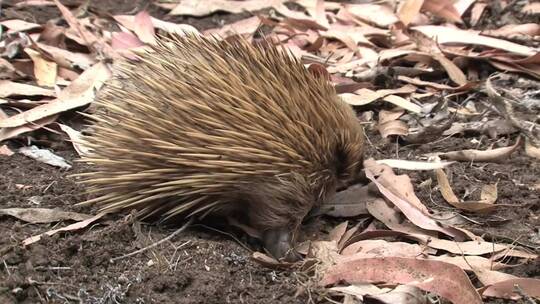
(181, 229)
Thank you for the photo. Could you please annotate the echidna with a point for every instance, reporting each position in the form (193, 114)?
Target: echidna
(202, 126)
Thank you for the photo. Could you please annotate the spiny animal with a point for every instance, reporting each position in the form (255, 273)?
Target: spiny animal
(200, 126)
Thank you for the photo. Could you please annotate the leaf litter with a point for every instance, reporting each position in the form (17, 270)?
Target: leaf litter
(411, 64)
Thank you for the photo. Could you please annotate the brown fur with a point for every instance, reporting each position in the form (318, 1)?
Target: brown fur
(201, 126)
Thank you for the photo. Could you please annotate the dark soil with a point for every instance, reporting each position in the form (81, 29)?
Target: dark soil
(201, 265)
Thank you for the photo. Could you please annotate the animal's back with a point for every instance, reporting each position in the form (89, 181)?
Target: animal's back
(201, 125)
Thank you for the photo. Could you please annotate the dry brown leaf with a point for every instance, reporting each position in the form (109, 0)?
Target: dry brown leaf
(359, 290)
(10, 88)
(402, 294)
(513, 31)
(466, 248)
(45, 71)
(81, 34)
(463, 5)
(390, 125)
(469, 263)
(454, 72)
(128, 21)
(337, 233)
(409, 10)
(448, 35)
(403, 103)
(74, 226)
(380, 15)
(79, 93)
(25, 3)
(17, 25)
(440, 278)
(507, 289)
(43, 215)
(493, 155)
(347, 203)
(531, 150)
(413, 165)
(380, 248)
(488, 195)
(144, 28)
(66, 58)
(240, 27)
(7, 133)
(418, 82)
(393, 219)
(365, 96)
(489, 277)
(452, 199)
(4, 150)
(477, 11)
(531, 8)
(400, 192)
(75, 137)
(444, 9)
(201, 8)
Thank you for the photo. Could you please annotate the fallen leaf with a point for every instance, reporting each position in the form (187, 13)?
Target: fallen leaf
(531, 8)
(513, 31)
(402, 294)
(409, 10)
(201, 8)
(413, 165)
(466, 248)
(380, 248)
(125, 40)
(44, 70)
(365, 96)
(17, 25)
(452, 199)
(74, 226)
(447, 35)
(43, 215)
(66, 58)
(79, 93)
(440, 278)
(10, 88)
(531, 150)
(240, 27)
(469, 263)
(489, 277)
(347, 203)
(337, 233)
(34, 3)
(488, 195)
(395, 127)
(403, 103)
(406, 201)
(444, 9)
(507, 289)
(7, 133)
(493, 155)
(85, 36)
(380, 15)
(4, 150)
(144, 28)
(359, 290)
(44, 156)
(75, 137)
(419, 82)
